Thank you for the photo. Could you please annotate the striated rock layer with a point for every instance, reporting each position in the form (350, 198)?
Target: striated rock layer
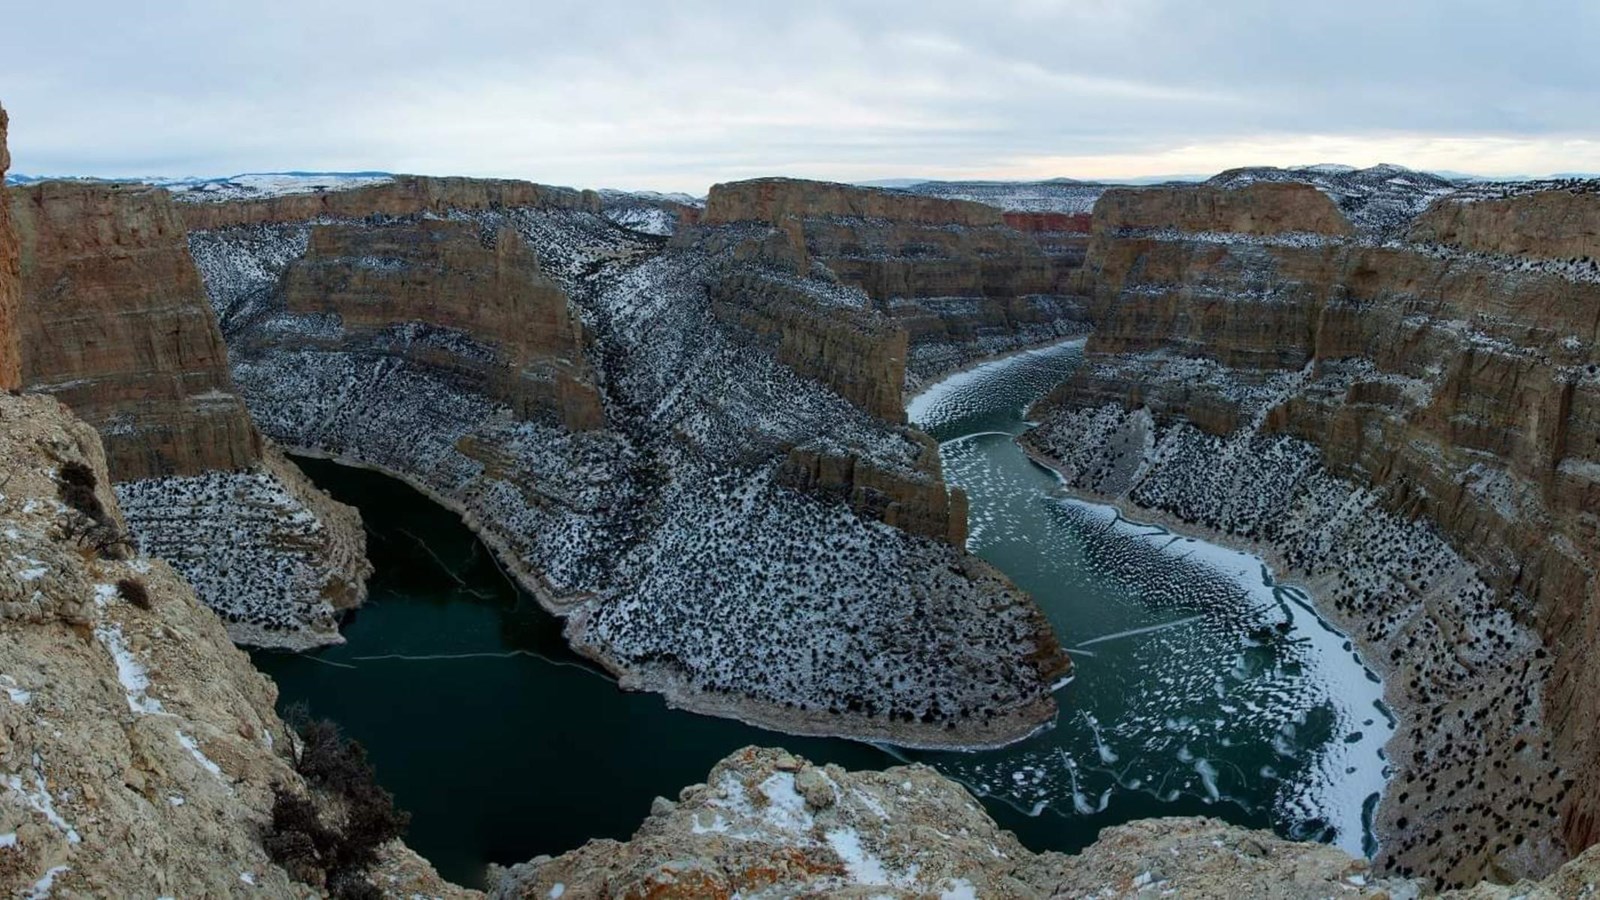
(1414, 430)
(137, 745)
(963, 279)
(10, 279)
(116, 324)
(732, 521)
(1548, 224)
(370, 278)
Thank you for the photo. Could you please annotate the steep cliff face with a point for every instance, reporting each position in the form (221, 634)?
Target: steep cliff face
(139, 747)
(963, 279)
(917, 505)
(449, 275)
(116, 324)
(1560, 223)
(405, 195)
(10, 278)
(858, 353)
(1409, 427)
(1264, 208)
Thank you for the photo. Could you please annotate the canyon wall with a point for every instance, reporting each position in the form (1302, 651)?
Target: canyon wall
(1558, 223)
(1410, 428)
(1263, 208)
(115, 323)
(775, 200)
(965, 280)
(449, 275)
(860, 355)
(10, 278)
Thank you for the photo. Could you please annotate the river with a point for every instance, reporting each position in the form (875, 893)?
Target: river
(1201, 687)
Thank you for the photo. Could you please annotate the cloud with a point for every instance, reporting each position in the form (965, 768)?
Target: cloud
(677, 96)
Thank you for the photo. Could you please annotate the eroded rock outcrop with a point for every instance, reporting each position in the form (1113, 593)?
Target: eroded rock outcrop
(1263, 208)
(138, 747)
(1559, 223)
(1409, 428)
(116, 324)
(858, 353)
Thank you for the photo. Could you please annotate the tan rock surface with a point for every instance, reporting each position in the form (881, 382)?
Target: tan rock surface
(858, 353)
(1264, 208)
(446, 274)
(772, 200)
(767, 824)
(10, 278)
(115, 323)
(138, 746)
(1553, 224)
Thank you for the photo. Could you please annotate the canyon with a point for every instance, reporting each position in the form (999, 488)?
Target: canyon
(666, 441)
(688, 439)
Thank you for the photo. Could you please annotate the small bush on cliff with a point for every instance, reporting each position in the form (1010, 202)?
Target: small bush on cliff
(87, 522)
(335, 851)
(134, 591)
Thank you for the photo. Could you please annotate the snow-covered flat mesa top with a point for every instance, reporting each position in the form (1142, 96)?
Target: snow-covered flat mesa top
(267, 184)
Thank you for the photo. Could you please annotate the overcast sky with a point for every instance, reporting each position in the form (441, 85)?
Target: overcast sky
(678, 94)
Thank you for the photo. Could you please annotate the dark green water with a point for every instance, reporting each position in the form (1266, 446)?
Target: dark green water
(504, 745)
(500, 740)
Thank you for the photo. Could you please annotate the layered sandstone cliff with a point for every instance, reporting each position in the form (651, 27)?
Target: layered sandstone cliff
(138, 747)
(774, 200)
(963, 279)
(115, 323)
(10, 279)
(1412, 430)
(859, 354)
(450, 275)
(1560, 223)
(1264, 208)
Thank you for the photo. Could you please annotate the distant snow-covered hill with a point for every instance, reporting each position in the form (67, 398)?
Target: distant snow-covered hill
(1380, 201)
(236, 187)
(1061, 195)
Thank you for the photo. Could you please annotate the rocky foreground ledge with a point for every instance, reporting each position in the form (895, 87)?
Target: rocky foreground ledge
(768, 824)
(138, 746)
